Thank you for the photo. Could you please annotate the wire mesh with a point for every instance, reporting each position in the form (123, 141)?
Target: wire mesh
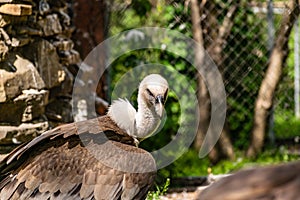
(239, 36)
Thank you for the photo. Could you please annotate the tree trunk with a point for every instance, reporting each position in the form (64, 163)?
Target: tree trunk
(202, 92)
(269, 84)
(91, 19)
(224, 145)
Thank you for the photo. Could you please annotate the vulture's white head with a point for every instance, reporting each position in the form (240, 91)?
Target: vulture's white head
(152, 95)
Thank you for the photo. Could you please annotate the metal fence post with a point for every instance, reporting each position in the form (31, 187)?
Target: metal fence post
(271, 31)
(296, 70)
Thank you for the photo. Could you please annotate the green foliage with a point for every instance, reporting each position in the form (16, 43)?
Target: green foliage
(160, 190)
(268, 157)
(161, 13)
(286, 125)
(190, 164)
(245, 58)
(141, 13)
(284, 128)
(174, 112)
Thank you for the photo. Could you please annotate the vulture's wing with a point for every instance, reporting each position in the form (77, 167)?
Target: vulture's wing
(75, 161)
(267, 183)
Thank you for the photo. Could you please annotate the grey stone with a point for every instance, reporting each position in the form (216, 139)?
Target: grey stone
(24, 30)
(45, 57)
(35, 102)
(26, 107)
(3, 51)
(20, 41)
(11, 112)
(64, 44)
(22, 133)
(70, 57)
(5, 36)
(4, 20)
(6, 1)
(16, 9)
(50, 25)
(13, 83)
(26, 82)
(66, 87)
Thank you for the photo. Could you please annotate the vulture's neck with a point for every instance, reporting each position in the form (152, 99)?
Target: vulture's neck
(138, 124)
(147, 121)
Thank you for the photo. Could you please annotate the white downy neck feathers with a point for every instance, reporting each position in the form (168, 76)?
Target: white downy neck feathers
(152, 94)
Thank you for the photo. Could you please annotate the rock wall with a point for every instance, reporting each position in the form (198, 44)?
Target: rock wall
(37, 67)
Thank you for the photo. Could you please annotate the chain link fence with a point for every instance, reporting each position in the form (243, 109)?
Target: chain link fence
(239, 36)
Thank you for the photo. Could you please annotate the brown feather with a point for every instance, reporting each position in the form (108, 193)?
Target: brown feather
(8, 191)
(61, 164)
(107, 191)
(275, 182)
(86, 190)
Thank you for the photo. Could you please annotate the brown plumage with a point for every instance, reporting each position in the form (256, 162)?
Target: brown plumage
(59, 164)
(280, 182)
(93, 159)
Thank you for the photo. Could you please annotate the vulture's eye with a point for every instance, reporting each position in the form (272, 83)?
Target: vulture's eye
(149, 92)
(165, 95)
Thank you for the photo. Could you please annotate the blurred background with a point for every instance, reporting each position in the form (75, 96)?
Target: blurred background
(254, 44)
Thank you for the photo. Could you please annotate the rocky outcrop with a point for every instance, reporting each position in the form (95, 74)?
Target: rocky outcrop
(37, 62)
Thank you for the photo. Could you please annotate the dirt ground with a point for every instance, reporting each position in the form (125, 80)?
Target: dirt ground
(184, 195)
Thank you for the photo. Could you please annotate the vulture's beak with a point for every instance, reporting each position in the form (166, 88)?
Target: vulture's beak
(159, 105)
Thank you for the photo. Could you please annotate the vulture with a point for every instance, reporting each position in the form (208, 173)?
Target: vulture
(92, 159)
(280, 182)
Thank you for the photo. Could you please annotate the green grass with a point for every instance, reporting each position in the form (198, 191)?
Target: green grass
(189, 164)
(160, 190)
(268, 157)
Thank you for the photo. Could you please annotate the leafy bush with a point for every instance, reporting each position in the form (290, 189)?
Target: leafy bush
(286, 128)
(190, 164)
